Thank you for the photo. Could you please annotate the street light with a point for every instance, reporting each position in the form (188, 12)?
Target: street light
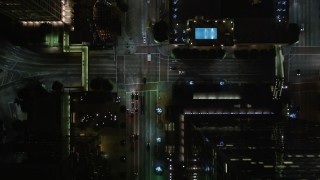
(158, 139)
(158, 170)
(159, 110)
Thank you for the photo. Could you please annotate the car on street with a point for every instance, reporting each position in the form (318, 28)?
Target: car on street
(123, 158)
(149, 58)
(135, 174)
(144, 38)
(182, 72)
(123, 142)
(301, 27)
(298, 72)
(148, 146)
(173, 68)
(134, 137)
(136, 96)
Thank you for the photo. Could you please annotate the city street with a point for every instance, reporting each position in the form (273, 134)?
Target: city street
(304, 56)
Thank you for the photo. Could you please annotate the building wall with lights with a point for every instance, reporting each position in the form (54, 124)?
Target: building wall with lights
(204, 127)
(37, 22)
(203, 32)
(253, 21)
(35, 10)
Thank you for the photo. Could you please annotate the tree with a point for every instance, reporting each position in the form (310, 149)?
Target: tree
(19, 126)
(160, 31)
(26, 94)
(122, 5)
(101, 84)
(107, 20)
(57, 87)
(123, 109)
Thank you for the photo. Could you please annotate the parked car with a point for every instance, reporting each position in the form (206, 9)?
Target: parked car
(123, 158)
(173, 68)
(148, 146)
(136, 96)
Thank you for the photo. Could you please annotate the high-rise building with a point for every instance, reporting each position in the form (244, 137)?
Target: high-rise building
(32, 10)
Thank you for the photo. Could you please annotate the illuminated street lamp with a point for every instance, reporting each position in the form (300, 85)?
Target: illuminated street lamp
(158, 170)
(158, 139)
(159, 110)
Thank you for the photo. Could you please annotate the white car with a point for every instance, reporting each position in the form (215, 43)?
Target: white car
(182, 72)
(302, 28)
(149, 57)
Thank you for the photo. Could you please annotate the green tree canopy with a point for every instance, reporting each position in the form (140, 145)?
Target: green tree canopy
(160, 31)
(294, 32)
(57, 87)
(101, 84)
(122, 5)
(31, 90)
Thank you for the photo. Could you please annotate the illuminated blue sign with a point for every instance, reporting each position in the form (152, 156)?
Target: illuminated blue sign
(206, 33)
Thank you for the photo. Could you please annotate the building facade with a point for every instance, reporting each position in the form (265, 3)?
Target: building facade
(32, 10)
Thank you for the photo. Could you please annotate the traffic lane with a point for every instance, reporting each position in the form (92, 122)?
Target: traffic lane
(304, 86)
(152, 69)
(54, 66)
(305, 50)
(23, 55)
(12, 64)
(307, 65)
(133, 71)
(137, 131)
(148, 133)
(306, 96)
(306, 13)
(20, 55)
(7, 62)
(134, 20)
(141, 164)
(143, 117)
(47, 67)
(131, 130)
(214, 70)
(151, 103)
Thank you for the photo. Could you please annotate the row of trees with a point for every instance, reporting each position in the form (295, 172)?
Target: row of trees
(35, 88)
(246, 32)
(43, 106)
(193, 53)
(255, 54)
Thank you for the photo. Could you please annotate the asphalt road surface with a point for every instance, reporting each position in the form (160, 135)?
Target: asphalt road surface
(305, 56)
